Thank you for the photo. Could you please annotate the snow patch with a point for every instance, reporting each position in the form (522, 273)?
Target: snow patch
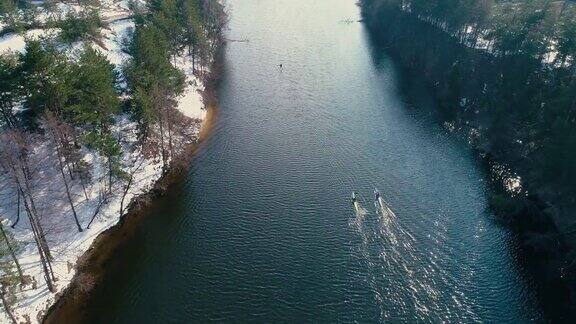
(17, 42)
(190, 102)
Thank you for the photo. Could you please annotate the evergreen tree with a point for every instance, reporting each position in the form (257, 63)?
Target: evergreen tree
(46, 78)
(193, 35)
(154, 83)
(10, 246)
(93, 104)
(9, 82)
(164, 16)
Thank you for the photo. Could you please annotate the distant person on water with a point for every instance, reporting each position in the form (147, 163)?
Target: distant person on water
(280, 65)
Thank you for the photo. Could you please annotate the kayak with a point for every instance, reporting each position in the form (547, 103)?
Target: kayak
(356, 203)
(376, 194)
(381, 203)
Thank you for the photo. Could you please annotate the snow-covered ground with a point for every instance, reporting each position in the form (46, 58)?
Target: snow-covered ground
(66, 243)
(17, 42)
(114, 37)
(190, 103)
(111, 10)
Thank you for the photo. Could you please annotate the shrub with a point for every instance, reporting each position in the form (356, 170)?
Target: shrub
(79, 26)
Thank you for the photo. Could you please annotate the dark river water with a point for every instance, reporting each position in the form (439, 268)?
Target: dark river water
(262, 229)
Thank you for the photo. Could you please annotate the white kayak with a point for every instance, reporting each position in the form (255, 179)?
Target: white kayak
(379, 201)
(355, 202)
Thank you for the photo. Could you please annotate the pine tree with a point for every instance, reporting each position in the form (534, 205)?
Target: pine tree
(164, 16)
(94, 103)
(193, 30)
(154, 82)
(10, 248)
(9, 82)
(45, 78)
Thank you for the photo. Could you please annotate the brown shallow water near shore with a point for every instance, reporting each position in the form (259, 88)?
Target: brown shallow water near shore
(101, 257)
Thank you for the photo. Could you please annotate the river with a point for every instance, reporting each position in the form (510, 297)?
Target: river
(262, 227)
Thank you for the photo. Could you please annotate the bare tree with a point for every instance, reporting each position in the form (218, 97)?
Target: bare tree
(14, 154)
(158, 95)
(17, 209)
(129, 180)
(56, 130)
(102, 199)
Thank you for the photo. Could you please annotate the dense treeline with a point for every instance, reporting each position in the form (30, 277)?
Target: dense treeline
(22, 15)
(62, 104)
(520, 89)
(504, 73)
(167, 29)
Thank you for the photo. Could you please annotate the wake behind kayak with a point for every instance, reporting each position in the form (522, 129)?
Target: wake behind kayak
(381, 204)
(360, 211)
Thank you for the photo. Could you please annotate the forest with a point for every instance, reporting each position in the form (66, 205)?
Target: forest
(504, 74)
(71, 118)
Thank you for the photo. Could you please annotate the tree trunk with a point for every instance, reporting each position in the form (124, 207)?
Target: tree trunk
(109, 175)
(169, 117)
(44, 259)
(126, 188)
(31, 208)
(6, 306)
(100, 204)
(193, 59)
(25, 171)
(20, 274)
(128, 185)
(162, 148)
(17, 211)
(84, 189)
(70, 200)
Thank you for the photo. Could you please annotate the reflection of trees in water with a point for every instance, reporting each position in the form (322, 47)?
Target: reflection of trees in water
(503, 75)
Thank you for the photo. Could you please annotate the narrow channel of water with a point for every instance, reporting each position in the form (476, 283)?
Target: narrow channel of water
(263, 229)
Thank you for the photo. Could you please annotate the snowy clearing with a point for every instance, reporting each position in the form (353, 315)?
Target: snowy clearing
(17, 42)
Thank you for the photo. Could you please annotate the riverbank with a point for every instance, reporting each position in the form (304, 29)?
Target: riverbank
(71, 251)
(145, 177)
(474, 103)
(92, 266)
(95, 262)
